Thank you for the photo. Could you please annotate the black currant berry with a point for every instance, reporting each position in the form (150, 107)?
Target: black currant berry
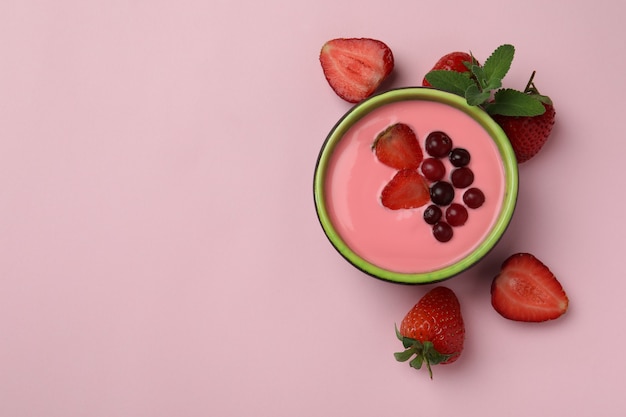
(433, 169)
(456, 215)
(473, 198)
(432, 214)
(462, 177)
(459, 157)
(442, 193)
(442, 231)
(438, 144)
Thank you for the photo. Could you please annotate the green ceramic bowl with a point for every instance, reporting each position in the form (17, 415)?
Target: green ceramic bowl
(362, 109)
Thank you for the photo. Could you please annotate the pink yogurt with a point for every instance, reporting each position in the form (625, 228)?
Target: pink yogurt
(400, 240)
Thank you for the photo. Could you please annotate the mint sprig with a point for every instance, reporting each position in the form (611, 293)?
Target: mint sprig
(482, 86)
(497, 66)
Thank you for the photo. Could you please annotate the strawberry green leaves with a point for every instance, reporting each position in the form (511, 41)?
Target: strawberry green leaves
(419, 353)
(482, 86)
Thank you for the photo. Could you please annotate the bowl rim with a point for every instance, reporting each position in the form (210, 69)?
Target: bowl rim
(359, 111)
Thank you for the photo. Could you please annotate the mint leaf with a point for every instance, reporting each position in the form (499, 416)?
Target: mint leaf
(509, 102)
(497, 66)
(493, 84)
(450, 81)
(475, 96)
(479, 74)
(543, 99)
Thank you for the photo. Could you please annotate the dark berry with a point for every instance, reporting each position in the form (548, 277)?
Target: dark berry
(433, 169)
(473, 198)
(442, 193)
(442, 231)
(456, 215)
(432, 214)
(462, 177)
(459, 157)
(438, 144)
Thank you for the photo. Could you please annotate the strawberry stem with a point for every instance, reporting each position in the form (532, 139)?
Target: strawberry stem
(424, 352)
(531, 89)
(530, 83)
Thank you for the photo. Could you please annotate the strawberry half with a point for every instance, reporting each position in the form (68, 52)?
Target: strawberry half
(355, 67)
(407, 189)
(433, 331)
(526, 290)
(397, 147)
(454, 61)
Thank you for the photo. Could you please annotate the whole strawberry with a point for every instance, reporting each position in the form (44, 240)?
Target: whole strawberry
(454, 61)
(528, 134)
(433, 331)
(527, 117)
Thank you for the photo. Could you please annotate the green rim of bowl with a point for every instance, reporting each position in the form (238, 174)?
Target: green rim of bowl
(428, 94)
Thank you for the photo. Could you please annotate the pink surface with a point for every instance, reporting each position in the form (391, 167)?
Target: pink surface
(159, 250)
(400, 240)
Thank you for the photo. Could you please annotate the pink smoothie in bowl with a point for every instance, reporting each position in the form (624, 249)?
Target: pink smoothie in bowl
(398, 245)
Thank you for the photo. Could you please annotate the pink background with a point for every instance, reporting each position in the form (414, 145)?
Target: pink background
(159, 249)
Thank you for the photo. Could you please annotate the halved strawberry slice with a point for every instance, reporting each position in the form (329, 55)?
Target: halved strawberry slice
(406, 190)
(355, 67)
(526, 290)
(397, 147)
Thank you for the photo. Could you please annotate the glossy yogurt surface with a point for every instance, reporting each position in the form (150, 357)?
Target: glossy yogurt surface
(400, 240)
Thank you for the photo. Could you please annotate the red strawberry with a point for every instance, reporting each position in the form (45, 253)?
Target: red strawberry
(453, 61)
(397, 147)
(527, 134)
(355, 67)
(433, 330)
(526, 290)
(407, 189)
